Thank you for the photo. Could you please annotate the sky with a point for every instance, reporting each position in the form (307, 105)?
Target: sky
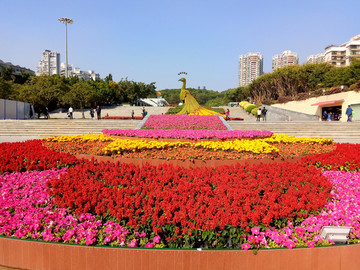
(152, 41)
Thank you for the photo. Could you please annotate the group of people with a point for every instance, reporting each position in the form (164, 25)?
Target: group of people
(70, 112)
(262, 112)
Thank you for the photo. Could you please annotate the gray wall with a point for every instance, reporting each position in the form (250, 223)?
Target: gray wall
(11, 109)
(277, 114)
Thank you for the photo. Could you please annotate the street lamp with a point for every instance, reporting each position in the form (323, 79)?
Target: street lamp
(66, 21)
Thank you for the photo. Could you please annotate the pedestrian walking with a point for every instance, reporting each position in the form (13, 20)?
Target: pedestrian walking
(132, 114)
(349, 112)
(70, 112)
(228, 114)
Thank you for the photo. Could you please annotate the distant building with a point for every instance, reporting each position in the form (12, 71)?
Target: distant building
(316, 58)
(62, 69)
(341, 56)
(17, 70)
(82, 75)
(49, 63)
(250, 67)
(287, 58)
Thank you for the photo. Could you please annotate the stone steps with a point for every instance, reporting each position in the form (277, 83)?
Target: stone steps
(10, 130)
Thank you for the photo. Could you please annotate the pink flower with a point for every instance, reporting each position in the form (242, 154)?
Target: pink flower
(245, 246)
(156, 239)
(310, 244)
(149, 245)
(255, 230)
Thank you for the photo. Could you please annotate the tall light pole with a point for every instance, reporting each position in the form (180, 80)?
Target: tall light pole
(66, 21)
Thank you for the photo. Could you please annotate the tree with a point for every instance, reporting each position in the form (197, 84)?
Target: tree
(80, 95)
(6, 89)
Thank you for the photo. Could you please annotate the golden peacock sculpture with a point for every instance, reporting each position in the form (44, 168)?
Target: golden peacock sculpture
(191, 106)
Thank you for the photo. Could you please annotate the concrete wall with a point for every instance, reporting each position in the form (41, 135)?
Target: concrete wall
(304, 106)
(279, 114)
(11, 109)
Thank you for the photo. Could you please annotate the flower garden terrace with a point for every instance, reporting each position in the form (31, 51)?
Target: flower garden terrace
(243, 206)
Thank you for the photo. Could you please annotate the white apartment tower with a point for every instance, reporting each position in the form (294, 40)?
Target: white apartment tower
(250, 67)
(342, 55)
(49, 63)
(287, 58)
(316, 58)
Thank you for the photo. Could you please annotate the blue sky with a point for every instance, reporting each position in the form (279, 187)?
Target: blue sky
(152, 41)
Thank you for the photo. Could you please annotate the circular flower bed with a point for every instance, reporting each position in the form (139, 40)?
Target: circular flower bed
(48, 194)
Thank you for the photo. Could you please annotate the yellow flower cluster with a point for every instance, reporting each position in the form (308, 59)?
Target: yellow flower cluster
(283, 138)
(80, 138)
(254, 146)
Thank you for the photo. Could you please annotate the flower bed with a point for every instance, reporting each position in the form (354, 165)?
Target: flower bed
(282, 146)
(192, 122)
(242, 206)
(193, 207)
(32, 155)
(188, 134)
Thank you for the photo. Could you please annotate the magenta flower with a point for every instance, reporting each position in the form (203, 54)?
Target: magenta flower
(255, 230)
(245, 246)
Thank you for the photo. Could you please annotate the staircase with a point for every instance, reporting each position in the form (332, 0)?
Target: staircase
(20, 130)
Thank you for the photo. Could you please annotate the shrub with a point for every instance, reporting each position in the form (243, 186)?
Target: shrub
(249, 107)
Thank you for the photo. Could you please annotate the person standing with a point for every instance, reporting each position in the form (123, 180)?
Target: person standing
(143, 112)
(70, 111)
(132, 114)
(264, 111)
(349, 112)
(92, 113)
(98, 112)
(258, 114)
(228, 114)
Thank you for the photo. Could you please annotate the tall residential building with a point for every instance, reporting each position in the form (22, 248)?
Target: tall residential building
(49, 63)
(250, 67)
(287, 58)
(342, 55)
(316, 58)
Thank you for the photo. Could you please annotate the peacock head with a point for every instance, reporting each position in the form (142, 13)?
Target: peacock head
(182, 80)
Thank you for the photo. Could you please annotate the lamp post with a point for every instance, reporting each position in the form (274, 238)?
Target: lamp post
(66, 21)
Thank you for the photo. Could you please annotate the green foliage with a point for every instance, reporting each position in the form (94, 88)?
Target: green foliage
(80, 95)
(296, 82)
(6, 89)
(249, 107)
(202, 96)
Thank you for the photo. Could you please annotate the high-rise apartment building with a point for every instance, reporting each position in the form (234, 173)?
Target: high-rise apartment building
(316, 58)
(342, 55)
(287, 58)
(250, 67)
(49, 63)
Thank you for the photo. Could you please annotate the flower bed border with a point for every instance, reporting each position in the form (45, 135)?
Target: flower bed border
(188, 163)
(25, 254)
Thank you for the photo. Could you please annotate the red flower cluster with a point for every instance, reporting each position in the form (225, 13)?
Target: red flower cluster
(344, 157)
(31, 155)
(192, 199)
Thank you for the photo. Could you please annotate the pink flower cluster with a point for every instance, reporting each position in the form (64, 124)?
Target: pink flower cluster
(342, 210)
(27, 212)
(188, 134)
(195, 122)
